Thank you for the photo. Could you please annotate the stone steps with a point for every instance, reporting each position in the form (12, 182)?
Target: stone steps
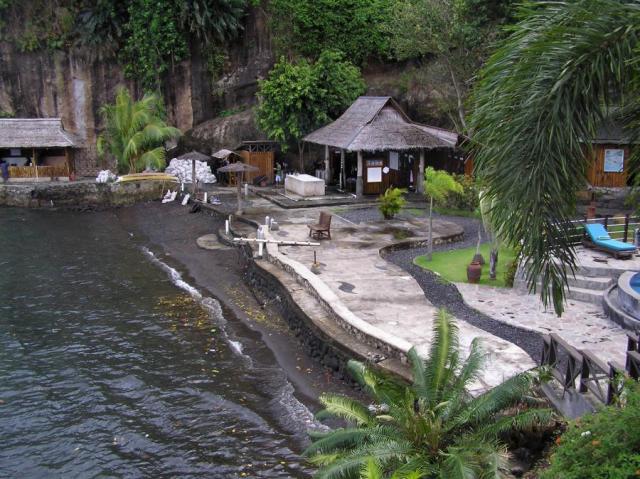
(598, 283)
(586, 295)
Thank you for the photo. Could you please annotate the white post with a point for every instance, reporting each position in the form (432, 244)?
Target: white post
(266, 223)
(181, 187)
(246, 190)
(226, 226)
(343, 182)
(260, 246)
(205, 197)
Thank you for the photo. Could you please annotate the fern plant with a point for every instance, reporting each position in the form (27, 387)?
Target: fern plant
(431, 428)
(391, 202)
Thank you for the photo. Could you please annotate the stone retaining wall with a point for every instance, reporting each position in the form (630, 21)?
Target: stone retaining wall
(79, 195)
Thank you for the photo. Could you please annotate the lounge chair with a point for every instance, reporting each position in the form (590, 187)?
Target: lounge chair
(322, 228)
(598, 238)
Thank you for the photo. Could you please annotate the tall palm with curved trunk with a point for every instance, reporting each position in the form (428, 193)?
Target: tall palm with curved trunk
(135, 132)
(432, 428)
(537, 105)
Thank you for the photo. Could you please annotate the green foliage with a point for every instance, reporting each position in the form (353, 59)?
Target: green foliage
(438, 184)
(135, 132)
(154, 41)
(297, 98)
(391, 202)
(456, 32)
(309, 27)
(6, 114)
(544, 91)
(467, 200)
(211, 20)
(602, 445)
(431, 428)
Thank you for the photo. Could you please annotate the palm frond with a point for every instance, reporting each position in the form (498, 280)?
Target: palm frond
(444, 344)
(346, 408)
(523, 421)
(371, 470)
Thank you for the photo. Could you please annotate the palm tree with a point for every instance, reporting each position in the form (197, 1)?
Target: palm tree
(539, 100)
(437, 185)
(135, 132)
(431, 428)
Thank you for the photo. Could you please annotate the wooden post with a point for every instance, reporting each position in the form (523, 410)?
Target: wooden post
(359, 180)
(342, 172)
(35, 162)
(327, 165)
(626, 227)
(420, 179)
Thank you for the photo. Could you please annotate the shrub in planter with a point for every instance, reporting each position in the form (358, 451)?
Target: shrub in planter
(391, 202)
(602, 445)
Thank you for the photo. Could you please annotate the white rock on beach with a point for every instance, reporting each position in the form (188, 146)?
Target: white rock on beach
(105, 176)
(182, 169)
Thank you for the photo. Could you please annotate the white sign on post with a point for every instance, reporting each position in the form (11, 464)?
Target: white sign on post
(614, 161)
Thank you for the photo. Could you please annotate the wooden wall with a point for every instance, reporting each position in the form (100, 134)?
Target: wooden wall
(596, 174)
(263, 160)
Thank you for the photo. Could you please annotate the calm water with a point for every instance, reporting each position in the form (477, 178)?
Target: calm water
(112, 366)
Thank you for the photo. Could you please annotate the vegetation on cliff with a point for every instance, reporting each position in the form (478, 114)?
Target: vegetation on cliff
(147, 37)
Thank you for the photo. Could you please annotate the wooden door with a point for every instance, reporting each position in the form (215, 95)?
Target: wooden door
(374, 177)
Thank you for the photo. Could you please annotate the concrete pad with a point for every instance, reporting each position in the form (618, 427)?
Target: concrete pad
(583, 325)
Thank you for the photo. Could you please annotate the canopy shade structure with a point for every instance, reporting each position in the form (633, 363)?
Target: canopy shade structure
(238, 168)
(377, 123)
(35, 133)
(194, 155)
(224, 154)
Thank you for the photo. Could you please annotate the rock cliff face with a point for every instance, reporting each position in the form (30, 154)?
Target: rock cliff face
(215, 110)
(74, 85)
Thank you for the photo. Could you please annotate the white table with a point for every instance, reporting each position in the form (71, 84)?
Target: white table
(304, 185)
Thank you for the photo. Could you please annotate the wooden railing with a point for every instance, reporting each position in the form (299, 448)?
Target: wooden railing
(567, 364)
(619, 227)
(43, 171)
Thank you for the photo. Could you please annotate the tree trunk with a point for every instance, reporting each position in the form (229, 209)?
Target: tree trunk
(493, 262)
(456, 87)
(430, 251)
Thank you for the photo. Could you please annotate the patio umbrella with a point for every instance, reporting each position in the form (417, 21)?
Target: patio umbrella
(238, 168)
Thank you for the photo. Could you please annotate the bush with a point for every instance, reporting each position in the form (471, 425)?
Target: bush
(467, 200)
(391, 202)
(603, 445)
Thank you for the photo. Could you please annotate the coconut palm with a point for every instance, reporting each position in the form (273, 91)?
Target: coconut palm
(135, 132)
(432, 428)
(539, 101)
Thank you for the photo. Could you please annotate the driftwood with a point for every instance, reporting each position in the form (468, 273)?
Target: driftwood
(279, 242)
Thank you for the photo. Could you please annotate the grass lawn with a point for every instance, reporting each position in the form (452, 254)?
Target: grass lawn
(452, 265)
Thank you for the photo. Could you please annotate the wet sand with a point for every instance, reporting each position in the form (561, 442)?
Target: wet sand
(170, 231)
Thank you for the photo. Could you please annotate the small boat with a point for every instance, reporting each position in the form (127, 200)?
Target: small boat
(147, 177)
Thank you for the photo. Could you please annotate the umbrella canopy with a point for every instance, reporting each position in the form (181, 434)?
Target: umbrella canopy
(237, 167)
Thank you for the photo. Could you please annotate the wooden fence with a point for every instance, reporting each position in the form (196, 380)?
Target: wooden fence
(43, 171)
(582, 371)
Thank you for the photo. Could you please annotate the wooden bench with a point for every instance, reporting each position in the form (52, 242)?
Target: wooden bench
(323, 228)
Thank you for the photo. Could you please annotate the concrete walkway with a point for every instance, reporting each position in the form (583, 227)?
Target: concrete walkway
(383, 296)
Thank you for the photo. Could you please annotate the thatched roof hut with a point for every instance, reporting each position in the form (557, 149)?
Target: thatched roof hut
(377, 123)
(34, 133)
(194, 155)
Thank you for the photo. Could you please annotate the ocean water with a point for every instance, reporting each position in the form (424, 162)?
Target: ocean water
(112, 365)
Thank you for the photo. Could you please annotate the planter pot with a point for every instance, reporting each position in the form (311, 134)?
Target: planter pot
(474, 272)
(478, 258)
(315, 268)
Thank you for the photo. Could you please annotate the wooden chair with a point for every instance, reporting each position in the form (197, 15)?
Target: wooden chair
(322, 228)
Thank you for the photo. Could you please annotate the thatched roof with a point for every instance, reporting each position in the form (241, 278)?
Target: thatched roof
(224, 154)
(34, 133)
(194, 155)
(377, 123)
